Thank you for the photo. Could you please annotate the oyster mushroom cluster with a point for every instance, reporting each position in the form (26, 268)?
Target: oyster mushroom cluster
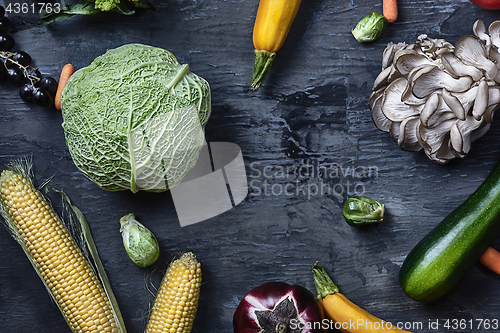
(436, 96)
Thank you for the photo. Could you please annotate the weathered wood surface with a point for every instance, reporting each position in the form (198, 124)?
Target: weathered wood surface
(311, 110)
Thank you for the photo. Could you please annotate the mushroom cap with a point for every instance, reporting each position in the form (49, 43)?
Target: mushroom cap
(457, 68)
(438, 97)
(431, 78)
(392, 106)
(479, 30)
(494, 31)
(472, 51)
(406, 60)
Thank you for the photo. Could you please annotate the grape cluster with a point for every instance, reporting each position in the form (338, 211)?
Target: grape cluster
(16, 68)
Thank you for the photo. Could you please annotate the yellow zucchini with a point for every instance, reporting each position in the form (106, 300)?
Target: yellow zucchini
(346, 316)
(272, 24)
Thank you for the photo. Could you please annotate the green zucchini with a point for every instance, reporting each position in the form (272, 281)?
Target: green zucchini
(438, 262)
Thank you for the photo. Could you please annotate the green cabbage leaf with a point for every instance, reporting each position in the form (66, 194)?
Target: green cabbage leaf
(134, 119)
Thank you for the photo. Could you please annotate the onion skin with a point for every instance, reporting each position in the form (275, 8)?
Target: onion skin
(267, 296)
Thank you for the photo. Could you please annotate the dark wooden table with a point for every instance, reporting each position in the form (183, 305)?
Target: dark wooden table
(312, 110)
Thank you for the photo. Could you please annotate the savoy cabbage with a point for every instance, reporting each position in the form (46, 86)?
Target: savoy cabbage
(134, 118)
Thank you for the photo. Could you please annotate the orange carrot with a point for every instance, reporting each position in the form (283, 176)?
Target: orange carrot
(66, 72)
(390, 10)
(491, 260)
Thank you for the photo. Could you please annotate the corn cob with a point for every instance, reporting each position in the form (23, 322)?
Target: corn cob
(177, 299)
(58, 260)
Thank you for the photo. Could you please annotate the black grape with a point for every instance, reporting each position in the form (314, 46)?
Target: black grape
(5, 24)
(7, 42)
(26, 92)
(41, 97)
(23, 58)
(16, 76)
(49, 84)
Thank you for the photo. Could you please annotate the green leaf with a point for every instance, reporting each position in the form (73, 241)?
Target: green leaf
(87, 8)
(144, 4)
(75, 212)
(123, 9)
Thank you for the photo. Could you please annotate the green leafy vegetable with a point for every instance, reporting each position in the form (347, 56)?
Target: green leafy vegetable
(134, 119)
(140, 243)
(126, 7)
(370, 27)
(361, 210)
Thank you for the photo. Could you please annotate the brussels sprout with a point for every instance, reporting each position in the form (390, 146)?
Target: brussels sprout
(370, 27)
(361, 211)
(140, 243)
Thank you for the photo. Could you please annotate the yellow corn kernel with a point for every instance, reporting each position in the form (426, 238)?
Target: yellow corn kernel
(54, 253)
(177, 299)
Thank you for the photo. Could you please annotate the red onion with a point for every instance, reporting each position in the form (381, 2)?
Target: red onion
(277, 307)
